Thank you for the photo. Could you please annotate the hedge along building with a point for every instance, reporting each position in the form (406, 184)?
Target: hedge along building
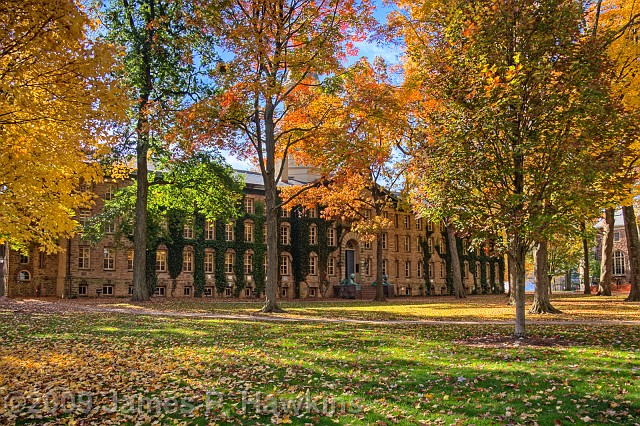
(227, 260)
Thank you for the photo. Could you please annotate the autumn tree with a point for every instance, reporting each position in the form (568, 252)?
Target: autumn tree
(518, 90)
(619, 24)
(277, 56)
(160, 69)
(57, 104)
(355, 155)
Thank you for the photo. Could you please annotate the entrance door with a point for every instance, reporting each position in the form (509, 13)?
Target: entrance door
(350, 257)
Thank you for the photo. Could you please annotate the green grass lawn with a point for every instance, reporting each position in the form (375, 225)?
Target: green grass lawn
(198, 371)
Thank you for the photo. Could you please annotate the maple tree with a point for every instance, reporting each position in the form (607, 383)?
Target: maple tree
(355, 155)
(518, 90)
(277, 56)
(57, 103)
(160, 68)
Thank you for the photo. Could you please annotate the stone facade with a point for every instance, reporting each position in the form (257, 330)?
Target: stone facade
(105, 269)
(620, 256)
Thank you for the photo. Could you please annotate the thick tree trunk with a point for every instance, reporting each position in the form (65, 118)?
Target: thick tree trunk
(633, 249)
(458, 287)
(379, 297)
(517, 252)
(567, 280)
(604, 287)
(4, 268)
(271, 193)
(585, 259)
(140, 285)
(541, 303)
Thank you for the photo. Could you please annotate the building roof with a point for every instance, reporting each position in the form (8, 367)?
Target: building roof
(255, 179)
(619, 221)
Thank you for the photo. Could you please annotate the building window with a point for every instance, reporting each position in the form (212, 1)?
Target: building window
(84, 215)
(385, 215)
(367, 245)
(186, 291)
(367, 267)
(187, 261)
(311, 213)
(264, 233)
(407, 222)
(24, 276)
(407, 291)
(284, 235)
(616, 236)
(331, 237)
(619, 263)
(160, 291)
(248, 231)
(109, 259)
(247, 291)
(419, 224)
(284, 292)
(130, 254)
(407, 243)
(208, 291)
(313, 264)
(83, 290)
(187, 231)
(284, 212)
(209, 262)
(395, 221)
(210, 230)
(397, 269)
(312, 292)
(109, 192)
(84, 254)
(331, 266)
(248, 205)
(130, 290)
(107, 290)
(432, 268)
(419, 271)
(430, 245)
(41, 259)
(443, 268)
(284, 264)
(248, 263)
(407, 269)
(161, 260)
(110, 227)
(229, 232)
(384, 267)
(384, 240)
(419, 242)
(430, 226)
(313, 235)
(229, 260)
(397, 241)
(24, 259)
(367, 214)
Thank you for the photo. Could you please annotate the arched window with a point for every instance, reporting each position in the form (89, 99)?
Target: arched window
(24, 276)
(619, 263)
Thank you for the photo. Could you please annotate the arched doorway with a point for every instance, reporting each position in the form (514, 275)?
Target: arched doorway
(351, 263)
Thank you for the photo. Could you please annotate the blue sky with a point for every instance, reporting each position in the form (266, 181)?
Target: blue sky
(368, 49)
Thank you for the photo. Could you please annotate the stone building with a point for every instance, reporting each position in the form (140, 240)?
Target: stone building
(227, 260)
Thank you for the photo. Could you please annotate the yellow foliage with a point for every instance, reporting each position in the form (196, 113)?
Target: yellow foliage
(56, 106)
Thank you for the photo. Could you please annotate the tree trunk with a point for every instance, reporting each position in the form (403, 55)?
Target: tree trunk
(512, 282)
(271, 194)
(517, 252)
(379, 297)
(604, 287)
(4, 268)
(541, 303)
(585, 259)
(633, 249)
(458, 287)
(140, 286)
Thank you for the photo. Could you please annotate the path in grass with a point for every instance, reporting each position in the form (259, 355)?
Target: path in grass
(489, 310)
